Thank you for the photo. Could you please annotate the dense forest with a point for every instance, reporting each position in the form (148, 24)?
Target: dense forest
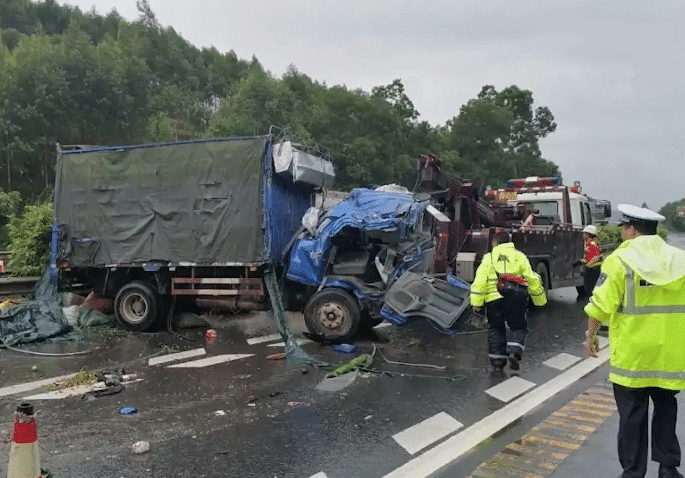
(69, 77)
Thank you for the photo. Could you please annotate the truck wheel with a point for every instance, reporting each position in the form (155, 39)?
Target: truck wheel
(544, 275)
(136, 306)
(333, 314)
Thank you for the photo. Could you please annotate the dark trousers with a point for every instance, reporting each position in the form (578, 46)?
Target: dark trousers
(590, 277)
(633, 405)
(500, 313)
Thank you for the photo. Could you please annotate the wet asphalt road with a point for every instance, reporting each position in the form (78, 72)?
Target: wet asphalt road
(293, 430)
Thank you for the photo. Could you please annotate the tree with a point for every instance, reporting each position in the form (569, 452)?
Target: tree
(670, 212)
(496, 136)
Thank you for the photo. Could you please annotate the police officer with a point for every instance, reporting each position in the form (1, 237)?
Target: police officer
(501, 311)
(641, 294)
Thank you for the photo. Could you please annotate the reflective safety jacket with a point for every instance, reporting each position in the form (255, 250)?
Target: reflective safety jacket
(504, 258)
(641, 294)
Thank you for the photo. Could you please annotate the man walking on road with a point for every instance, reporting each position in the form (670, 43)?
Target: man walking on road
(501, 311)
(641, 294)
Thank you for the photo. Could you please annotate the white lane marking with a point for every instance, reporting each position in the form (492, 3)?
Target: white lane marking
(603, 341)
(26, 387)
(561, 361)
(206, 362)
(320, 474)
(72, 391)
(176, 356)
(382, 324)
(427, 432)
(298, 341)
(509, 389)
(260, 340)
(454, 447)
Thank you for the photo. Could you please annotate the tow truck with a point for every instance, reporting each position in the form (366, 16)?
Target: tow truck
(544, 216)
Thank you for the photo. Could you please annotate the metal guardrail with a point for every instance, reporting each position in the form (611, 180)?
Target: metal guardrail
(17, 285)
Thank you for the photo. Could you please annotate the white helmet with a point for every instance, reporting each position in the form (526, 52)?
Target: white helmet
(591, 229)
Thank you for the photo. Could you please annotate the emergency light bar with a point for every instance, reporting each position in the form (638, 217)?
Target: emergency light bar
(533, 181)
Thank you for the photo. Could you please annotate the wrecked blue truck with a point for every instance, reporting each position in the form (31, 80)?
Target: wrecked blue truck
(370, 258)
(153, 226)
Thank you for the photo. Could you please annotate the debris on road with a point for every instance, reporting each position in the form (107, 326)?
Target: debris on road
(276, 356)
(219, 413)
(128, 411)
(251, 401)
(345, 348)
(81, 378)
(140, 447)
(361, 362)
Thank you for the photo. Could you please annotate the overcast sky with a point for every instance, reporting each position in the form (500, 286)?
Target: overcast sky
(612, 72)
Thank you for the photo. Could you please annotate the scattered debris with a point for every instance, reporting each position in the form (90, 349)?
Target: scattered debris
(219, 413)
(367, 417)
(273, 394)
(81, 378)
(140, 447)
(211, 336)
(276, 356)
(336, 384)
(361, 362)
(345, 348)
(414, 342)
(128, 411)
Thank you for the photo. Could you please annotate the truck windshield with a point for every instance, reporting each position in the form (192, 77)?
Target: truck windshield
(548, 210)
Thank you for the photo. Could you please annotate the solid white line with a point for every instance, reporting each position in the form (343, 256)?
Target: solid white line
(510, 388)
(427, 432)
(176, 356)
(298, 341)
(561, 361)
(206, 362)
(457, 445)
(25, 387)
(320, 474)
(266, 338)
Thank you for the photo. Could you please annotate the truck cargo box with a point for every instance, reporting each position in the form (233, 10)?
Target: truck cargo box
(205, 202)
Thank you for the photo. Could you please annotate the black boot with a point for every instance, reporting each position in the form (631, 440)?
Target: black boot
(514, 362)
(669, 472)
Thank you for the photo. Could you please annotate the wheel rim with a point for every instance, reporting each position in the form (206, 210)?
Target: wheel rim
(134, 308)
(333, 317)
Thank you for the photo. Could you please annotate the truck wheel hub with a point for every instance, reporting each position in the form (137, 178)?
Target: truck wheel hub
(332, 316)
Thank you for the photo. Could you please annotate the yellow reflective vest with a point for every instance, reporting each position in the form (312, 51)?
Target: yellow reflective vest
(504, 258)
(641, 294)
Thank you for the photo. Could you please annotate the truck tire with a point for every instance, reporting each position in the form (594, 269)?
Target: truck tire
(136, 306)
(332, 314)
(541, 269)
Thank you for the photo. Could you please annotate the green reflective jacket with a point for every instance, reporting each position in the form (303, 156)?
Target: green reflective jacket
(504, 258)
(641, 294)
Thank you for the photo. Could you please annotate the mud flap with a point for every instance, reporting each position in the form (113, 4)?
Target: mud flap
(429, 297)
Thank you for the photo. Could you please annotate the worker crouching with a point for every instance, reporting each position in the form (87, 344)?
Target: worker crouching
(507, 307)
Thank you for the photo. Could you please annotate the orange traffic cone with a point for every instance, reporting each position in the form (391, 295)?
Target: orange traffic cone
(24, 455)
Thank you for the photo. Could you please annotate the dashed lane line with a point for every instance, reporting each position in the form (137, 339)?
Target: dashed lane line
(562, 361)
(261, 340)
(206, 362)
(27, 387)
(457, 445)
(427, 432)
(510, 389)
(176, 356)
(297, 341)
(320, 474)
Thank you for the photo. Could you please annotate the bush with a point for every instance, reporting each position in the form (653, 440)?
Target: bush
(610, 236)
(29, 236)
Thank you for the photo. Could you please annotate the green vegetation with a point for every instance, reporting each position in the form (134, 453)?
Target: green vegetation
(669, 211)
(610, 236)
(69, 77)
(81, 378)
(29, 235)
